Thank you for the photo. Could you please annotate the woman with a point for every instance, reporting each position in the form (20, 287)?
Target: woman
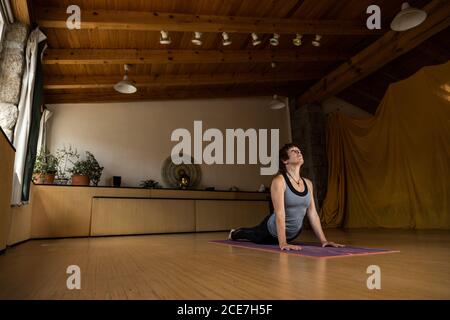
(292, 198)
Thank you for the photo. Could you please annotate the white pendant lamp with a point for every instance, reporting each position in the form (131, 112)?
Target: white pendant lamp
(408, 18)
(276, 103)
(125, 85)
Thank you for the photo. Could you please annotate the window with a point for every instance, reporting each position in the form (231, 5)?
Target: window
(2, 26)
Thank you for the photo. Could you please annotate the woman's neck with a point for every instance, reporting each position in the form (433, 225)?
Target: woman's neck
(294, 171)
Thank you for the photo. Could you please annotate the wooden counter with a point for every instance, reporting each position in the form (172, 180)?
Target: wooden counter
(69, 211)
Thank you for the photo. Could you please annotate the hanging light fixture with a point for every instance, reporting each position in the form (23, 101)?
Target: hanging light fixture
(255, 39)
(225, 39)
(125, 85)
(316, 41)
(297, 41)
(408, 18)
(165, 38)
(276, 103)
(197, 40)
(274, 40)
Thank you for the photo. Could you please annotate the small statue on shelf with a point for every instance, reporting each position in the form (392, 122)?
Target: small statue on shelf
(183, 179)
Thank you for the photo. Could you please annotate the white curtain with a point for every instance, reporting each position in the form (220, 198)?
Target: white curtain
(42, 140)
(22, 128)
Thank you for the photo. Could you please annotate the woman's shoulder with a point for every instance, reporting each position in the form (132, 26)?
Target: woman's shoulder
(278, 180)
(278, 176)
(308, 182)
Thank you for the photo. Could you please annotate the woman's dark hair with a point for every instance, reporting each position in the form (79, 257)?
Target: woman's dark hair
(283, 156)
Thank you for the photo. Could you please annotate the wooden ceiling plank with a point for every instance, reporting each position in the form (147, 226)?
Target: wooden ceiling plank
(156, 21)
(143, 56)
(387, 48)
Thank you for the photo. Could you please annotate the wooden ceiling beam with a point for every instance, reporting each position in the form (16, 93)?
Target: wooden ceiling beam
(97, 82)
(21, 11)
(387, 48)
(146, 56)
(205, 93)
(156, 21)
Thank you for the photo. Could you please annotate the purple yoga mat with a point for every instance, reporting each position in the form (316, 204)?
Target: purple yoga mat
(309, 249)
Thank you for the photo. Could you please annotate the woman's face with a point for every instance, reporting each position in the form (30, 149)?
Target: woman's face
(295, 156)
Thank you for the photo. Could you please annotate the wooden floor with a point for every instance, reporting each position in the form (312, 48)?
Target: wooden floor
(186, 266)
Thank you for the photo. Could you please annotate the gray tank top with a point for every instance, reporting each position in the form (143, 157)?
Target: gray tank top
(295, 205)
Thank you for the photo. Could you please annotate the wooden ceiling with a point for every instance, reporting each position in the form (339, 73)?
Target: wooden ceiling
(83, 65)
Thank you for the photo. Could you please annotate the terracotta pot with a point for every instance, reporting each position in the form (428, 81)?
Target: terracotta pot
(42, 178)
(78, 180)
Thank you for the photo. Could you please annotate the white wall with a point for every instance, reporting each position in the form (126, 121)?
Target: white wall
(132, 140)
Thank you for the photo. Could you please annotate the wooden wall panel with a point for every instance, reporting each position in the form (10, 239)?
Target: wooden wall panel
(226, 215)
(20, 226)
(7, 155)
(141, 216)
(195, 194)
(65, 211)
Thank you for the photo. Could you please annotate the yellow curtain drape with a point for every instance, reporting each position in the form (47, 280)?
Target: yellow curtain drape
(393, 170)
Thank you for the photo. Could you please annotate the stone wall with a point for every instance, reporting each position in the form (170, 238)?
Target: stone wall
(12, 64)
(308, 131)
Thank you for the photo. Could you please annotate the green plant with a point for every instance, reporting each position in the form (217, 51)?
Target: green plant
(45, 163)
(65, 155)
(89, 167)
(150, 184)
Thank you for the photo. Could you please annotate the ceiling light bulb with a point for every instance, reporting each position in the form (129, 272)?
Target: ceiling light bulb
(316, 41)
(297, 41)
(408, 18)
(274, 40)
(197, 38)
(255, 40)
(226, 39)
(125, 85)
(164, 38)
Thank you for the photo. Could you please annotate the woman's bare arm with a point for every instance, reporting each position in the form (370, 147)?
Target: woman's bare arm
(314, 220)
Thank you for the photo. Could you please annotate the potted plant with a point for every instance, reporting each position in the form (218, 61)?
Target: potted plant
(45, 168)
(150, 184)
(85, 171)
(65, 155)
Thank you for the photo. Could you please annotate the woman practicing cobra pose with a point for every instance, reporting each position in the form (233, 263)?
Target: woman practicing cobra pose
(292, 198)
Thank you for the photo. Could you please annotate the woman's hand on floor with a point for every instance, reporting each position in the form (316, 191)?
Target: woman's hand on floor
(332, 244)
(290, 247)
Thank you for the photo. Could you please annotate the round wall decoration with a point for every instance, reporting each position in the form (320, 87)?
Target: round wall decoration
(183, 175)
